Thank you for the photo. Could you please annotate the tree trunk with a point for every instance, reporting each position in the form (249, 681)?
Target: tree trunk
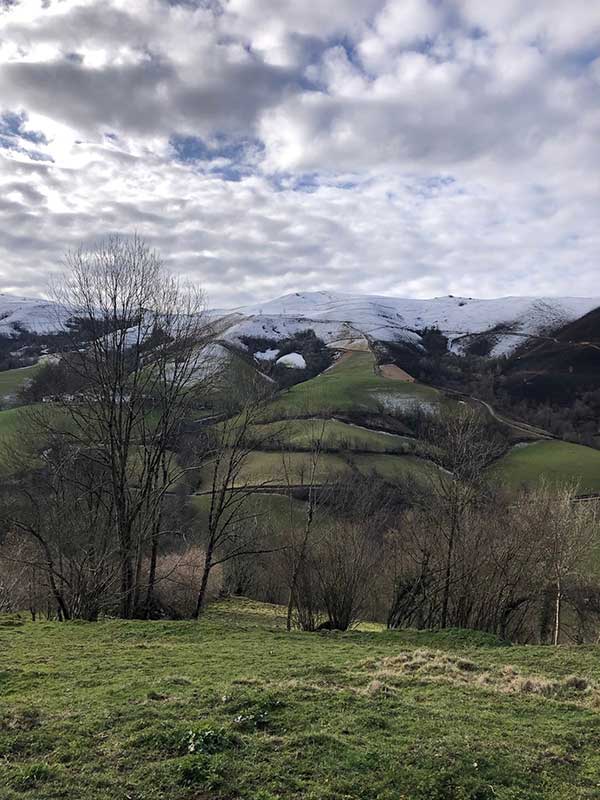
(447, 575)
(204, 582)
(126, 582)
(557, 611)
(290, 608)
(310, 509)
(151, 577)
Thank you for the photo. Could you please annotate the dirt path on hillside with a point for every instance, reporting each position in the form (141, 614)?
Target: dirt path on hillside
(395, 373)
(357, 345)
(344, 356)
(521, 427)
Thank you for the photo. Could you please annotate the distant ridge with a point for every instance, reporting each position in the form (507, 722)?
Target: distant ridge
(336, 315)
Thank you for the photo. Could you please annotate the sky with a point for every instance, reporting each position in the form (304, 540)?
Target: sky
(399, 147)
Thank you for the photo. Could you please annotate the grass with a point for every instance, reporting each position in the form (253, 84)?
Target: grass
(267, 468)
(350, 385)
(11, 380)
(261, 468)
(556, 462)
(234, 707)
(337, 435)
(10, 421)
(272, 509)
(17, 433)
(393, 468)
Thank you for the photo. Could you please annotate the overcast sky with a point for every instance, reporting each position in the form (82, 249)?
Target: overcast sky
(408, 147)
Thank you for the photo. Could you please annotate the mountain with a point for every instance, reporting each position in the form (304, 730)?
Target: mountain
(332, 316)
(559, 368)
(28, 313)
(335, 316)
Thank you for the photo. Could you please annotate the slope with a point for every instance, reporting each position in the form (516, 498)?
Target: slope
(559, 368)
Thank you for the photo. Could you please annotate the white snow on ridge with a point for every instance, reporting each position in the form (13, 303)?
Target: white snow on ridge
(397, 319)
(33, 314)
(335, 316)
(282, 327)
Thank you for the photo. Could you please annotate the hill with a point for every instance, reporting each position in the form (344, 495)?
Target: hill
(553, 461)
(363, 414)
(395, 319)
(559, 368)
(236, 707)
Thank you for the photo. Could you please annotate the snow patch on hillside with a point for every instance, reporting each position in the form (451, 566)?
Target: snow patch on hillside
(293, 360)
(267, 355)
(400, 319)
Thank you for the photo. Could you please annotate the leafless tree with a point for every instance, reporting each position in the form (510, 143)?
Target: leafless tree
(140, 373)
(465, 447)
(569, 532)
(347, 557)
(233, 529)
(302, 593)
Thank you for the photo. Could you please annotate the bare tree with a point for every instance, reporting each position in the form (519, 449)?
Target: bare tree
(232, 529)
(569, 531)
(299, 541)
(466, 446)
(345, 566)
(137, 377)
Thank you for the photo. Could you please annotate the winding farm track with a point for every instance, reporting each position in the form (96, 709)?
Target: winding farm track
(523, 427)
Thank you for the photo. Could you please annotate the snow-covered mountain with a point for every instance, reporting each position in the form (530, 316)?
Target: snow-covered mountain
(341, 317)
(30, 313)
(335, 316)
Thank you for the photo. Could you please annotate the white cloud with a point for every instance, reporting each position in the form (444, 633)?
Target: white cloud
(407, 147)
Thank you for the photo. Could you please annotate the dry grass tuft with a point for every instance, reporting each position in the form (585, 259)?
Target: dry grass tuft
(424, 663)
(522, 684)
(375, 688)
(439, 666)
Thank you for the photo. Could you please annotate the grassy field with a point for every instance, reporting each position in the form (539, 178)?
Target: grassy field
(350, 385)
(9, 421)
(301, 433)
(11, 380)
(392, 468)
(16, 435)
(556, 462)
(267, 468)
(276, 510)
(235, 707)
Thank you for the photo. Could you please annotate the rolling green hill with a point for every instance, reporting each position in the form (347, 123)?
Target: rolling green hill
(11, 380)
(553, 461)
(350, 385)
(335, 434)
(353, 387)
(271, 509)
(274, 469)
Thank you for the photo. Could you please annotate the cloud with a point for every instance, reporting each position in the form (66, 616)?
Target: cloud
(411, 147)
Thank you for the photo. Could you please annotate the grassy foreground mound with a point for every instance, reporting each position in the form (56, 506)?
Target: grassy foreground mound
(234, 707)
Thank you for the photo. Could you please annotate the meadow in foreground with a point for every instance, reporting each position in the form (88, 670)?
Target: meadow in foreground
(235, 707)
